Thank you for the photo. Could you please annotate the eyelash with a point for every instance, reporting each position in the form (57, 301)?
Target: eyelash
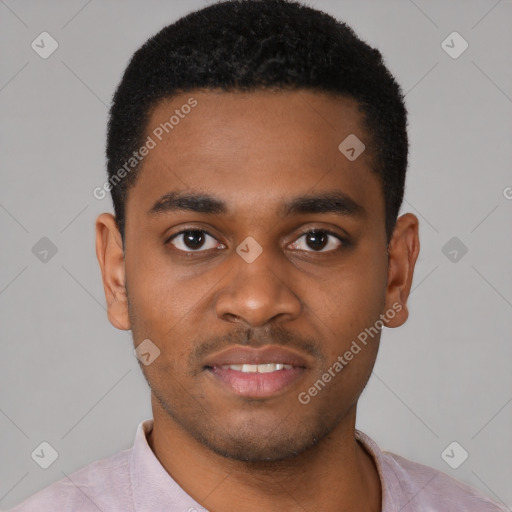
(344, 241)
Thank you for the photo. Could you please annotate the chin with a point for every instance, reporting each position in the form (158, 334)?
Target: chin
(258, 444)
(258, 451)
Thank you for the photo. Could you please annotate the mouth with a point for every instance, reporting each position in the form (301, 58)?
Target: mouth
(256, 373)
(257, 368)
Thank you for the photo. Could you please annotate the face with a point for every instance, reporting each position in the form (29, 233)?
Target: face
(255, 257)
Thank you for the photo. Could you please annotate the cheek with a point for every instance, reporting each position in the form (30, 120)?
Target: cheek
(352, 299)
(164, 308)
(368, 277)
(157, 289)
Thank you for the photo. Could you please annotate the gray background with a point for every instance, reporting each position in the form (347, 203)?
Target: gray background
(69, 378)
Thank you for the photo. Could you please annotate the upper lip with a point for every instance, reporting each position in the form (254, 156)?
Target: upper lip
(248, 355)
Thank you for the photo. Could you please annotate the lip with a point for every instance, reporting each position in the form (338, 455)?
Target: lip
(249, 355)
(256, 385)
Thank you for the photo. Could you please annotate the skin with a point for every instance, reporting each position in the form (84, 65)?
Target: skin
(255, 151)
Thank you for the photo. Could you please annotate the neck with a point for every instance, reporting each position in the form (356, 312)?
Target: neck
(335, 475)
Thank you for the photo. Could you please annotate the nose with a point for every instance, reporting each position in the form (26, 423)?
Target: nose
(258, 292)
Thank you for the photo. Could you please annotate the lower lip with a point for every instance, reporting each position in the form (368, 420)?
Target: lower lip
(257, 385)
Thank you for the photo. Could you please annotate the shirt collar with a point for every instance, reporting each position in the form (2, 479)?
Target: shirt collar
(153, 489)
(393, 497)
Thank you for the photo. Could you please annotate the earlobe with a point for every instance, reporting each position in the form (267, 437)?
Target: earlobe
(403, 252)
(109, 251)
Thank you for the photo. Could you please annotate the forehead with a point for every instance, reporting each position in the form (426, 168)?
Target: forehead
(256, 148)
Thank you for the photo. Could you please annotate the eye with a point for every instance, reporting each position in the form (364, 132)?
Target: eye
(198, 240)
(194, 240)
(320, 240)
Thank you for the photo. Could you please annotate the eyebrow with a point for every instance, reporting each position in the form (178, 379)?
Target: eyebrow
(335, 202)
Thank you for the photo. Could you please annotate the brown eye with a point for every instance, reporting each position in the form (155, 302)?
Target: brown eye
(318, 240)
(193, 240)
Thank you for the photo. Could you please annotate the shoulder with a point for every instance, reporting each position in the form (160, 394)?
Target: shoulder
(412, 487)
(432, 488)
(101, 485)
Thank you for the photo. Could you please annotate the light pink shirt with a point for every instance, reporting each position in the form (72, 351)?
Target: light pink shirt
(134, 481)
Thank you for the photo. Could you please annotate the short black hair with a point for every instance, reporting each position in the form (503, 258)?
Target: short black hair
(246, 45)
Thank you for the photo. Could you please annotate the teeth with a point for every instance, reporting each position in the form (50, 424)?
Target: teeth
(258, 368)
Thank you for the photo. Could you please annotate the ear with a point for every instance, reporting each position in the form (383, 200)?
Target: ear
(109, 251)
(403, 251)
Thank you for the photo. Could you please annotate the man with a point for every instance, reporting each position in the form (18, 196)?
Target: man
(257, 153)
